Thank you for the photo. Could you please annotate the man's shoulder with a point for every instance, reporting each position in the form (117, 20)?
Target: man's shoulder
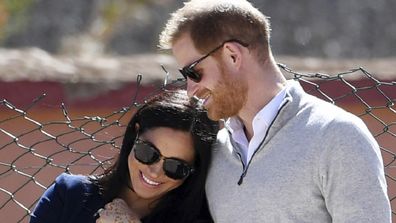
(314, 106)
(317, 113)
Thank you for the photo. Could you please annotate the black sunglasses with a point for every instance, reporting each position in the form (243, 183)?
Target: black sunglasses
(148, 154)
(188, 71)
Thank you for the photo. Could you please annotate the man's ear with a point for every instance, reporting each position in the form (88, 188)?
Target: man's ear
(233, 55)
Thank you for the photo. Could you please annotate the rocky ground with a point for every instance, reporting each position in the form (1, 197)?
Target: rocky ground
(33, 64)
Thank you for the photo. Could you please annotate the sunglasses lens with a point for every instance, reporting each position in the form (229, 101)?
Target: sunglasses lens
(184, 73)
(176, 169)
(191, 74)
(146, 154)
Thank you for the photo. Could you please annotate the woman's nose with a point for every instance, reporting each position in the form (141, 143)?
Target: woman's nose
(155, 169)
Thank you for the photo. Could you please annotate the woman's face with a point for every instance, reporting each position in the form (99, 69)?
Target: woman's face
(150, 181)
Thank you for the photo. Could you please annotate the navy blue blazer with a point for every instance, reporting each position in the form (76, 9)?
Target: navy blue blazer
(74, 199)
(71, 199)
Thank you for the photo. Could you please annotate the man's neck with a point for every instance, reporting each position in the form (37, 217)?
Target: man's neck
(262, 89)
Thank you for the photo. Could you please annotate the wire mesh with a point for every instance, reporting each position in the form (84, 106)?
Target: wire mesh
(33, 152)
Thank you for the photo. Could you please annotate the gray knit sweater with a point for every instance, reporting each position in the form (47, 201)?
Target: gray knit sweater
(317, 163)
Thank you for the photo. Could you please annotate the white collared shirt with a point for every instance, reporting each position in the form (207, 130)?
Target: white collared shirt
(261, 123)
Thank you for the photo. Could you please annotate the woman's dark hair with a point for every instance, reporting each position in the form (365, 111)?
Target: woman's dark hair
(171, 109)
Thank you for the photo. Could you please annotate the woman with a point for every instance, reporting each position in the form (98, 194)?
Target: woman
(159, 175)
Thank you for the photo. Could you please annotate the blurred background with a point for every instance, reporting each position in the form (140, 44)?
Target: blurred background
(87, 54)
(113, 40)
(309, 28)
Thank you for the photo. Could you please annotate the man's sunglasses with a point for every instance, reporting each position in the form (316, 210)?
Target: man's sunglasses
(188, 71)
(148, 154)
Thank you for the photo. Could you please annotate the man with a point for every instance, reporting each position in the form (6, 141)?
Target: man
(283, 156)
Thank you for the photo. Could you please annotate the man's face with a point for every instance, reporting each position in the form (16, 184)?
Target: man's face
(223, 92)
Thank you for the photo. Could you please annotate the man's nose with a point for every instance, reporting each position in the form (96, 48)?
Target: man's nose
(191, 87)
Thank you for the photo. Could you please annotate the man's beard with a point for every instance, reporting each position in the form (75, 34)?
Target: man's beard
(228, 97)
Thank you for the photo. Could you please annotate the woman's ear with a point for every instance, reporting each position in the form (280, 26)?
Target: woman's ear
(137, 126)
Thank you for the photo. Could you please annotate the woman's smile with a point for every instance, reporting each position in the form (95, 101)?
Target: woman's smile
(147, 181)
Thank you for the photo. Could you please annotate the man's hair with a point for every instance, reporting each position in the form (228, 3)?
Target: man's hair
(209, 23)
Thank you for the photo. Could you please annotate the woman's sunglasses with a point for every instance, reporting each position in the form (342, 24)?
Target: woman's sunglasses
(188, 71)
(148, 154)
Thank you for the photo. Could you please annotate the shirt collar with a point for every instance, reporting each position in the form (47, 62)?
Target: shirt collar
(264, 116)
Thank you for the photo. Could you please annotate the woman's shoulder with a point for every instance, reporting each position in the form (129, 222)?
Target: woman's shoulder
(75, 184)
(79, 190)
(72, 179)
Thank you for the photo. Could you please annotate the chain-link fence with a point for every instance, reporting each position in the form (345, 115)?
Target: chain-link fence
(33, 152)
